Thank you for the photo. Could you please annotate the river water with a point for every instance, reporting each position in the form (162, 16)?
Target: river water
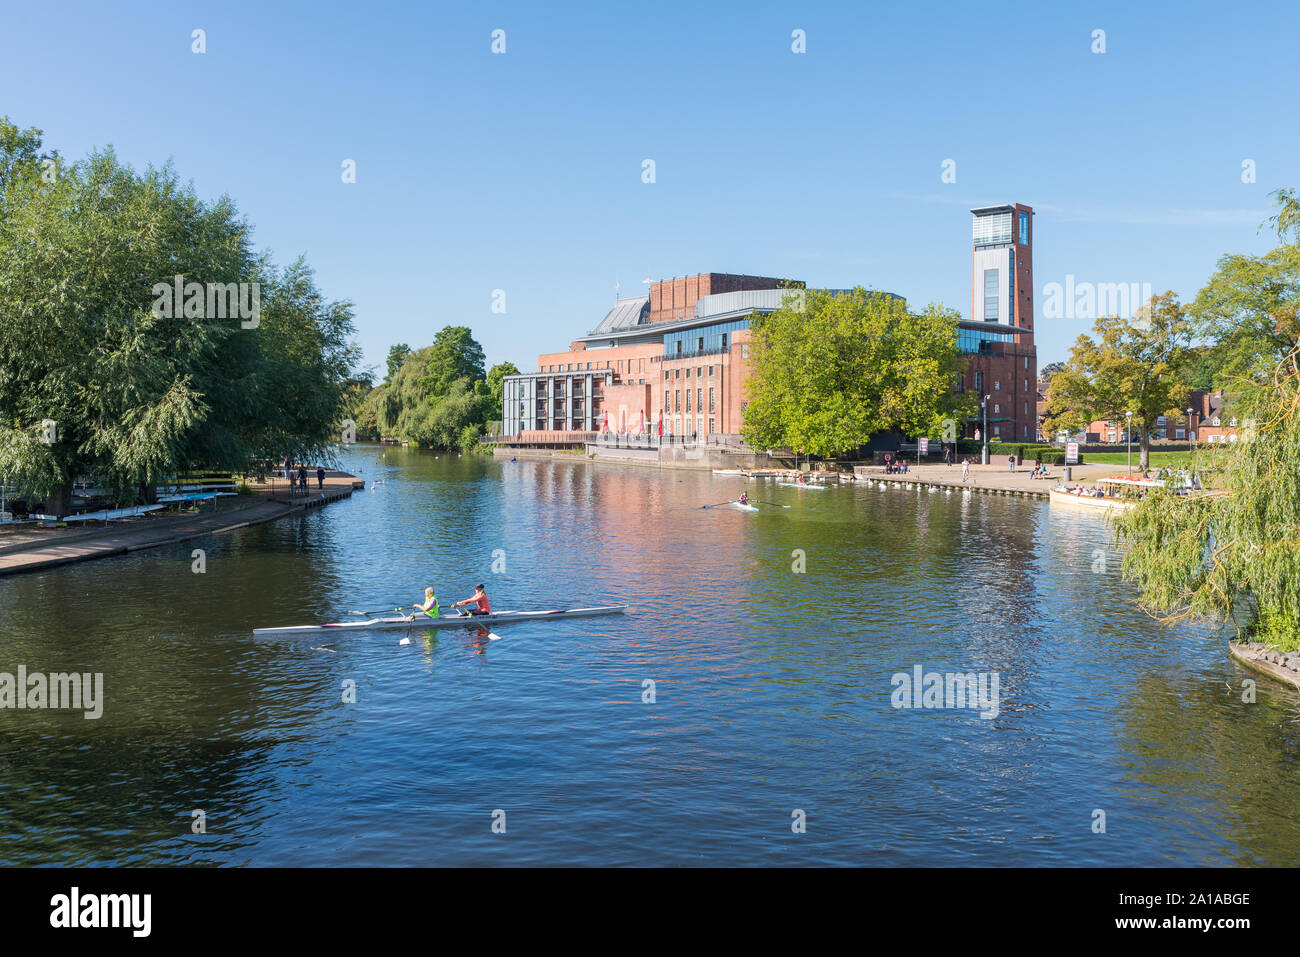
(771, 737)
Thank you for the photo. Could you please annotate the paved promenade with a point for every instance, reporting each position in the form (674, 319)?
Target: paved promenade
(996, 477)
(26, 548)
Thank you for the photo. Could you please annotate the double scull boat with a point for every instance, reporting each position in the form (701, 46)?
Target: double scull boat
(444, 621)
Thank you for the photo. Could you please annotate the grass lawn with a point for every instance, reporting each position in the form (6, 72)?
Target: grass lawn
(1158, 459)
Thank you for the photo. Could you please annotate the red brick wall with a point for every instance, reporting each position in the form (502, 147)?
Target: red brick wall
(675, 298)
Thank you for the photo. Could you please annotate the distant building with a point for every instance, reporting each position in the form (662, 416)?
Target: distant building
(1210, 421)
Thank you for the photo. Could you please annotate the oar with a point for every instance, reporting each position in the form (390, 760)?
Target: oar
(377, 611)
(763, 501)
(717, 505)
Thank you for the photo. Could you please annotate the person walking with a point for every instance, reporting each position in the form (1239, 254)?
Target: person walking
(965, 469)
(320, 477)
(947, 456)
(1012, 460)
(302, 478)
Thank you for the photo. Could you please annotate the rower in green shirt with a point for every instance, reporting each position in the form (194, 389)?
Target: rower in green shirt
(430, 606)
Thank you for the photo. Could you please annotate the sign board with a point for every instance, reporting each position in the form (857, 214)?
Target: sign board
(923, 446)
(1072, 453)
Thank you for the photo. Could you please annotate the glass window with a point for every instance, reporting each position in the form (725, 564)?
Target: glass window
(699, 400)
(991, 229)
(1024, 228)
(710, 372)
(990, 295)
(688, 400)
(997, 430)
(710, 403)
(979, 383)
(678, 375)
(710, 426)
(688, 372)
(997, 385)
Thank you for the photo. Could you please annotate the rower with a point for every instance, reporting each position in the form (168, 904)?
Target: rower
(430, 606)
(744, 498)
(479, 599)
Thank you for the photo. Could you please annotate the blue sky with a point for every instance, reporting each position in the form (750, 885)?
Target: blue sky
(522, 171)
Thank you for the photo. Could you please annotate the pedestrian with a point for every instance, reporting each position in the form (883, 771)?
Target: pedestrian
(1012, 460)
(947, 456)
(320, 477)
(302, 478)
(965, 469)
(293, 481)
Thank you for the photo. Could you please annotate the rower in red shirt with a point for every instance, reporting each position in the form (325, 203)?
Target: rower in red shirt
(478, 599)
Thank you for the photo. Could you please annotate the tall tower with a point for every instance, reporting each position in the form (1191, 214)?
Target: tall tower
(1002, 268)
(999, 335)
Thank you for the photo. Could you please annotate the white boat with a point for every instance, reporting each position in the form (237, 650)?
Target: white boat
(744, 507)
(809, 485)
(445, 621)
(1063, 496)
(730, 472)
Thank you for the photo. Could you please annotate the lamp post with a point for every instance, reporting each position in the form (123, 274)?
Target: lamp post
(984, 452)
(1128, 438)
(1188, 433)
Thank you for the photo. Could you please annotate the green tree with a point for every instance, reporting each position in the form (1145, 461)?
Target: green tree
(397, 355)
(496, 381)
(1235, 554)
(139, 391)
(454, 355)
(1134, 365)
(828, 371)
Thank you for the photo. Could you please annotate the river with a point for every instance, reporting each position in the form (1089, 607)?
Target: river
(771, 737)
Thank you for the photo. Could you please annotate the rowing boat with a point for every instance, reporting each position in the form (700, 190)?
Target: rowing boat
(818, 488)
(744, 507)
(445, 621)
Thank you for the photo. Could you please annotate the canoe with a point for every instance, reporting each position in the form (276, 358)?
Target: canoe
(445, 621)
(744, 508)
(819, 488)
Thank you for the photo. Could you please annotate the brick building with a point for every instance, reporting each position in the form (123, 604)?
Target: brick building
(674, 362)
(999, 335)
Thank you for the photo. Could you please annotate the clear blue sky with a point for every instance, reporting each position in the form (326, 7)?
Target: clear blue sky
(522, 171)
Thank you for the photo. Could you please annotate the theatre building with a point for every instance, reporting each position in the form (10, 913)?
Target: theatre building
(674, 362)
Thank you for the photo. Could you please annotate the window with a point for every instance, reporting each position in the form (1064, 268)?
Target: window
(997, 430)
(1026, 385)
(710, 403)
(744, 351)
(666, 400)
(667, 375)
(688, 372)
(724, 342)
(677, 407)
(1215, 420)
(1026, 362)
(688, 400)
(588, 365)
(699, 400)
(679, 347)
(699, 345)
(997, 410)
(710, 372)
(960, 386)
(678, 375)
(1024, 228)
(710, 426)
(990, 295)
(997, 385)
(979, 382)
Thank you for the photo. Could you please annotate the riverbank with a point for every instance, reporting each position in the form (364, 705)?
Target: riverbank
(1282, 666)
(25, 548)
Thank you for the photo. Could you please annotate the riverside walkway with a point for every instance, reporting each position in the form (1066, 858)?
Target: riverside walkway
(25, 548)
(995, 478)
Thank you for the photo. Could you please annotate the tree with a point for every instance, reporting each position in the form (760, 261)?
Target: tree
(397, 354)
(138, 390)
(1134, 365)
(1049, 370)
(1234, 555)
(454, 355)
(496, 381)
(828, 371)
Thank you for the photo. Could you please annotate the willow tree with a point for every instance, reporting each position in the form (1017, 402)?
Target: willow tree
(1133, 365)
(1235, 554)
(830, 370)
(100, 378)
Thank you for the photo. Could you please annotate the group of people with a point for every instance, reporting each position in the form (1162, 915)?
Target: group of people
(479, 601)
(895, 465)
(1039, 472)
(297, 477)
